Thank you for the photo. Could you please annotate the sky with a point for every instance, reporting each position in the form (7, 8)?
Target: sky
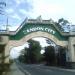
(18, 10)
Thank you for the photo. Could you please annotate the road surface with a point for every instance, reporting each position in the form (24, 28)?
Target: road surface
(33, 69)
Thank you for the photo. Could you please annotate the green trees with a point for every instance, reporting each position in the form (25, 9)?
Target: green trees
(63, 24)
(34, 51)
(32, 54)
(54, 55)
(61, 56)
(53, 58)
(49, 55)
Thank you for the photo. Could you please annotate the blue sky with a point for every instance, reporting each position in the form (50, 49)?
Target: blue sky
(18, 10)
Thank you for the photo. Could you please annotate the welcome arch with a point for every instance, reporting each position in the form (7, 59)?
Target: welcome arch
(15, 43)
(32, 28)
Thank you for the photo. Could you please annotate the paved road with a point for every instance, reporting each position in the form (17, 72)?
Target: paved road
(34, 69)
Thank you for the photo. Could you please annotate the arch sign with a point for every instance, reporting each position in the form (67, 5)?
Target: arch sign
(39, 29)
(31, 27)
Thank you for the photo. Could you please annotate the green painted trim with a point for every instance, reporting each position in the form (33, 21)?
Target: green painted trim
(37, 27)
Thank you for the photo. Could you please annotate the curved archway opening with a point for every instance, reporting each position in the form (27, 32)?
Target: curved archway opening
(16, 43)
(54, 52)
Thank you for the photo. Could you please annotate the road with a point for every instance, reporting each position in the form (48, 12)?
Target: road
(33, 69)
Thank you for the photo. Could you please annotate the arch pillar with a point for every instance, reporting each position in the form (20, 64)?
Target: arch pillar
(71, 48)
(71, 52)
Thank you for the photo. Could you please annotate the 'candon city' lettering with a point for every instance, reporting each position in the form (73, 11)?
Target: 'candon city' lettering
(39, 29)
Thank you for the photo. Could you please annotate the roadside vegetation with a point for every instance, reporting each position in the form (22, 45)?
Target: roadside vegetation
(32, 55)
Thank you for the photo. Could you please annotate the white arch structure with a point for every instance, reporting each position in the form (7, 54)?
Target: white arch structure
(16, 43)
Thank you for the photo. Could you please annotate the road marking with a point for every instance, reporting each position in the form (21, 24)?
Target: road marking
(27, 72)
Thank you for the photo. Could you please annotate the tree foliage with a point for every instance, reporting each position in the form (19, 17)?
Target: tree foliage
(62, 23)
(49, 55)
(32, 54)
(53, 58)
(61, 56)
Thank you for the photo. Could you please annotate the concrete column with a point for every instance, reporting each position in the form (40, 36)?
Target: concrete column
(7, 53)
(71, 52)
(8, 47)
(2, 54)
